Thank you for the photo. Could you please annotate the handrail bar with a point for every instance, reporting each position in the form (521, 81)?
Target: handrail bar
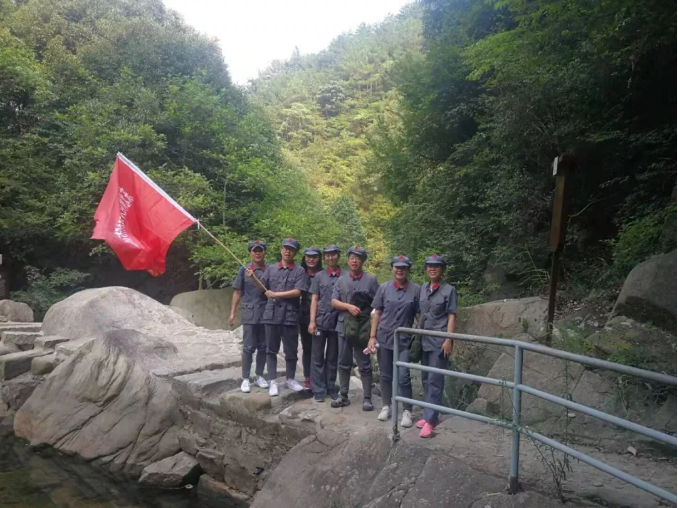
(518, 388)
(557, 353)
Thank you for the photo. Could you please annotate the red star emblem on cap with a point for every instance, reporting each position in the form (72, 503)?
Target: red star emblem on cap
(290, 239)
(401, 257)
(434, 256)
(256, 243)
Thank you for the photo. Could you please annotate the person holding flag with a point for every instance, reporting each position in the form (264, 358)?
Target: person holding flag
(284, 283)
(251, 313)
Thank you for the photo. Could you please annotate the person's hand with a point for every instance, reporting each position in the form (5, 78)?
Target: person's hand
(354, 310)
(249, 272)
(312, 328)
(372, 345)
(231, 320)
(447, 348)
(271, 294)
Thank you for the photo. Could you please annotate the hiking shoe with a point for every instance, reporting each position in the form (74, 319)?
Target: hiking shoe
(319, 397)
(420, 424)
(427, 431)
(273, 389)
(384, 414)
(406, 420)
(307, 383)
(367, 405)
(333, 396)
(245, 386)
(294, 385)
(340, 401)
(261, 382)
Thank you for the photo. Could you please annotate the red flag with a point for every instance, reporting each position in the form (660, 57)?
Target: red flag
(138, 219)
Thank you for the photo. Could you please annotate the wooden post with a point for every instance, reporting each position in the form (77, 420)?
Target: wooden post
(563, 167)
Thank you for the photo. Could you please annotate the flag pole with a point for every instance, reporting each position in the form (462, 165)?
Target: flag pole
(257, 282)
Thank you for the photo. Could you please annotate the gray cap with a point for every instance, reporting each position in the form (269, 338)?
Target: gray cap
(435, 259)
(401, 261)
(291, 243)
(312, 251)
(358, 252)
(330, 247)
(255, 244)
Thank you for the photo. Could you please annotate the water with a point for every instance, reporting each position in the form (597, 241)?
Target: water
(44, 479)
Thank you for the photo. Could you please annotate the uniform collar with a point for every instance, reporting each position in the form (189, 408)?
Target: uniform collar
(357, 277)
(398, 288)
(433, 287)
(335, 273)
(282, 267)
(310, 273)
(255, 267)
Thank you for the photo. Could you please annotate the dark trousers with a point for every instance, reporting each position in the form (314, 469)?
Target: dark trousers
(434, 385)
(347, 353)
(324, 365)
(385, 359)
(288, 335)
(254, 339)
(307, 347)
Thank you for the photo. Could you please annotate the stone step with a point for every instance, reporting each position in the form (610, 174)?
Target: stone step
(259, 401)
(68, 348)
(22, 340)
(15, 364)
(6, 349)
(49, 341)
(20, 327)
(208, 384)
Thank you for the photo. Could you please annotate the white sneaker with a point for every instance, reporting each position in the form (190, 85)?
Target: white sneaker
(261, 382)
(245, 386)
(273, 389)
(293, 384)
(407, 419)
(385, 413)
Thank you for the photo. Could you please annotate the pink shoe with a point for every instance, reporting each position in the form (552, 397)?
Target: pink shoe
(427, 431)
(420, 424)
(307, 383)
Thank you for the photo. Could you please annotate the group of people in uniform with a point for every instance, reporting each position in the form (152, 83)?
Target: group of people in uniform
(342, 317)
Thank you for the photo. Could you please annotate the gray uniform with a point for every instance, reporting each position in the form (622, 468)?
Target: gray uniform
(325, 340)
(281, 317)
(364, 283)
(253, 302)
(398, 306)
(436, 303)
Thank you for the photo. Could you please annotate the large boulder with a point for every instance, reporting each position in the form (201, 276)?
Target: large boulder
(89, 313)
(173, 471)
(116, 382)
(504, 318)
(105, 389)
(16, 311)
(649, 292)
(208, 308)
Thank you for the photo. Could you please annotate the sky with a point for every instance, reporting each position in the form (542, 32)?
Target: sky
(253, 33)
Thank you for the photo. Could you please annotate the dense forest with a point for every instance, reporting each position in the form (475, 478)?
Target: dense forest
(432, 131)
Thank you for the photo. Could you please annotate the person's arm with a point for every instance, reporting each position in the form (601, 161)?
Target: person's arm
(234, 305)
(314, 309)
(372, 344)
(292, 293)
(451, 321)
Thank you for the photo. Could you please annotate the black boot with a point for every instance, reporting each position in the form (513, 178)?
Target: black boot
(342, 400)
(367, 391)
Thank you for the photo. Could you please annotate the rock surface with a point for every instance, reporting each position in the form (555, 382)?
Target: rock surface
(16, 311)
(173, 471)
(117, 382)
(215, 494)
(208, 308)
(331, 469)
(649, 292)
(504, 318)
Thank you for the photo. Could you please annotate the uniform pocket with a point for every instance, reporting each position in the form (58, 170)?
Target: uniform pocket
(247, 312)
(268, 313)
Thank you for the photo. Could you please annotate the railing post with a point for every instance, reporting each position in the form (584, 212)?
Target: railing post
(514, 485)
(394, 402)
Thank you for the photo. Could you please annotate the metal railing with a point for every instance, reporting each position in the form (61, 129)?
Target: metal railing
(518, 388)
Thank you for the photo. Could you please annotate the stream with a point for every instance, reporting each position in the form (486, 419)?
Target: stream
(45, 478)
